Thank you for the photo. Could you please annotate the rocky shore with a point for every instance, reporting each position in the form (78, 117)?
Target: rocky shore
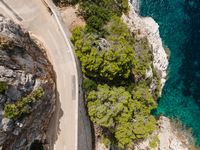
(169, 138)
(147, 27)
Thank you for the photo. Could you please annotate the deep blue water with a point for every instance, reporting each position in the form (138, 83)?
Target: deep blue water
(179, 22)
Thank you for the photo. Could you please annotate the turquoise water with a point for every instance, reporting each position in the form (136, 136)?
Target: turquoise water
(179, 22)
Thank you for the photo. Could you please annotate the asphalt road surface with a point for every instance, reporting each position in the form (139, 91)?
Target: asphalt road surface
(35, 17)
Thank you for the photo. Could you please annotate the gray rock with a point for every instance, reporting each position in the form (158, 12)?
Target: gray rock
(2, 99)
(13, 93)
(24, 67)
(149, 73)
(104, 44)
(6, 124)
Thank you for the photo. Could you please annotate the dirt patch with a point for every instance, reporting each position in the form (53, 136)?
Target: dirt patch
(71, 17)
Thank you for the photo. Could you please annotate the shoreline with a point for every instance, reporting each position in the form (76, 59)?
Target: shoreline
(147, 27)
(170, 137)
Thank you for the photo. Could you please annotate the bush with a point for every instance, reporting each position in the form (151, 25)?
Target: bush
(154, 142)
(97, 13)
(65, 2)
(3, 87)
(15, 110)
(95, 24)
(113, 64)
(89, 85)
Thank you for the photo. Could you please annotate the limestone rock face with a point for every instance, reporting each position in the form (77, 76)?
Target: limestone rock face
(24, 67)
(172, 138)
(147, 27)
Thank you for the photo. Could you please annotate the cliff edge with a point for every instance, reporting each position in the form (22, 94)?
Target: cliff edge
(147, 27)
(27, 89)
(168, 136)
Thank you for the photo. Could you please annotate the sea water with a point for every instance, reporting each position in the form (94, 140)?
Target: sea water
(179, 22)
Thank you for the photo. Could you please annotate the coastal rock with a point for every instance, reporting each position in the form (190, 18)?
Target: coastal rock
(171, 138)
(149, 73)
(24, 68)
(147, 27)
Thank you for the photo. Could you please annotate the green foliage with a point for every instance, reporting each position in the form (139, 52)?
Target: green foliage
(115, 63)
(154, 142)
(142, 94)
(65, 2)
(110, 54)
(127, 117)
(118, 60)
(15, 110)
(98, 12)
(89, 85)
(3, 87)
(106, 141)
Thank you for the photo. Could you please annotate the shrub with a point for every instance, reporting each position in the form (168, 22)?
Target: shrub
(89, 85)
(97, 13)
(108, 65)
(15, 110)
(3, 87)
(65, 2)
(154, 142)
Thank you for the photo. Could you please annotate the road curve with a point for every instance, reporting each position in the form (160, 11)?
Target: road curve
(34, 16)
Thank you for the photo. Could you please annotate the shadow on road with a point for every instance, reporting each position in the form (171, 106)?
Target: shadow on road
(54, 125)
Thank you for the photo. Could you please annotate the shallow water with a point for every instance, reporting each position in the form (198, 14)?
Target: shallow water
(179, 22)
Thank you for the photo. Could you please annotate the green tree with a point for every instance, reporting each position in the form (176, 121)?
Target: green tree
(127, 117)
(110, 54)
(89, 85)
(112, 64)
(15, 110)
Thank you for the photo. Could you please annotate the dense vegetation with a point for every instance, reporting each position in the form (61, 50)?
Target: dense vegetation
(118, 97)
(125, 115)
(112, 57)
(114, 64)
(98, 12)
(21, 106)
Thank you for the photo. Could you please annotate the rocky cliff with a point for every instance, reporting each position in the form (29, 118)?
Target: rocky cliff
(147, 27)
(27, 89)
(169, 136)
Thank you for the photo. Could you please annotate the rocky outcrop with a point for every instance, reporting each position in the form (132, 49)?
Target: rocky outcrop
(147, 27)
(24, 68)
(172, 138)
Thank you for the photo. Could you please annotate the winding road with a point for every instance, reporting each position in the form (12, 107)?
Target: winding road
(42, 20)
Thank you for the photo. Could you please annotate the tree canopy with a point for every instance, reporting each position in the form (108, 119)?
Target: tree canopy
(127, 117)
(116, 59)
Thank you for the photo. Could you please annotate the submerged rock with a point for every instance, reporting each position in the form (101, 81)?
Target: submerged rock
(24, 68)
